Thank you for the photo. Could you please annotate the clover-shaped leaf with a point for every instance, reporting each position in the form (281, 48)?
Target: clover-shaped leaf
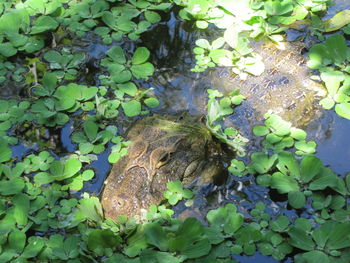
(176, 192)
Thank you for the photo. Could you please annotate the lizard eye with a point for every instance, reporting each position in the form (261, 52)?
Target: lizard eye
(163, 159)
(160, 157)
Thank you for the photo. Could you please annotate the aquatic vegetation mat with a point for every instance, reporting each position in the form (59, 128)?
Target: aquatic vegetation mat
(50, 82)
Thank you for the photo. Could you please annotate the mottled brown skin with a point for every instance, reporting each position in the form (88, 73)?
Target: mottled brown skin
(285, 87)
(162, 150)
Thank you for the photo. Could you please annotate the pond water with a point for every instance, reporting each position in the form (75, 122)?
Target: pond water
(179, 89)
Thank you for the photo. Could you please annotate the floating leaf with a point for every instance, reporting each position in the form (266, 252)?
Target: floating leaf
(44, 24)
(5, 154)
(316, 256)
(338, 21)
(283, 183)
(343, 110)
(35, 245)
(21, 204)
(144, 70)
(296, 199)
(226, 218)
(11, 187)
(7, 50)
(132, 108)
(90, 129)
(300, 239)
(310, 167)
(100, 239)
(260, 130)
(262, 163)
(140, 56)
(279, 126)
(156, 236)
(17, 240)
(152, 102)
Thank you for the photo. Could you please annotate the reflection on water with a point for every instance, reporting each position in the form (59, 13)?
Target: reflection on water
(332, 136)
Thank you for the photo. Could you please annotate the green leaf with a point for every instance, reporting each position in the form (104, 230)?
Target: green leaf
(277, 8)
(151, 256)
(280, 224)
(279, 126)
(305, 147)
(332, 80)
(129, 88)
(262, 163)
(53, 56)
(17, 240)
(117, 54)
(300, 239)
(132, 108)
(71, 167)
(327, 103)
(337, 238)
(86, 147)
(140, 56)
(283, 183)
(343, 110)
(90, 129)
(144, 70)
(338, 21)
(226, 218)
(325, 180)
(202, 24)
(7, 50)
(152, 17)
(44, 24)
(21, 204)
(310, 167)
(315, 256)
(11, 187)
(43, 178)
(65, 169)
(296, 199)
(288, 164)
(156, 236)
(152, 102)
(203, 43)
(260, 130)
(337, 48)
(198, 249)
(5, 154)
(35, 245)
(319, 57)
(100, 239)
(89, 208)
(297, 134)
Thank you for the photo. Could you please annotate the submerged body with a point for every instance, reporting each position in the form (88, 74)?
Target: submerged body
(163, 149)
(285, 87)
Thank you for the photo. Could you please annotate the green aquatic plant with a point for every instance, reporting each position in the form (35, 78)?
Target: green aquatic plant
(176, 192)
(21, 33)
(334, 51)
(92, 138)
(45, 217)
(338, 85)
(217, 110)
(82, 16)
(65, 63)
(123, 70)
(332, 60)
(241, 22)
